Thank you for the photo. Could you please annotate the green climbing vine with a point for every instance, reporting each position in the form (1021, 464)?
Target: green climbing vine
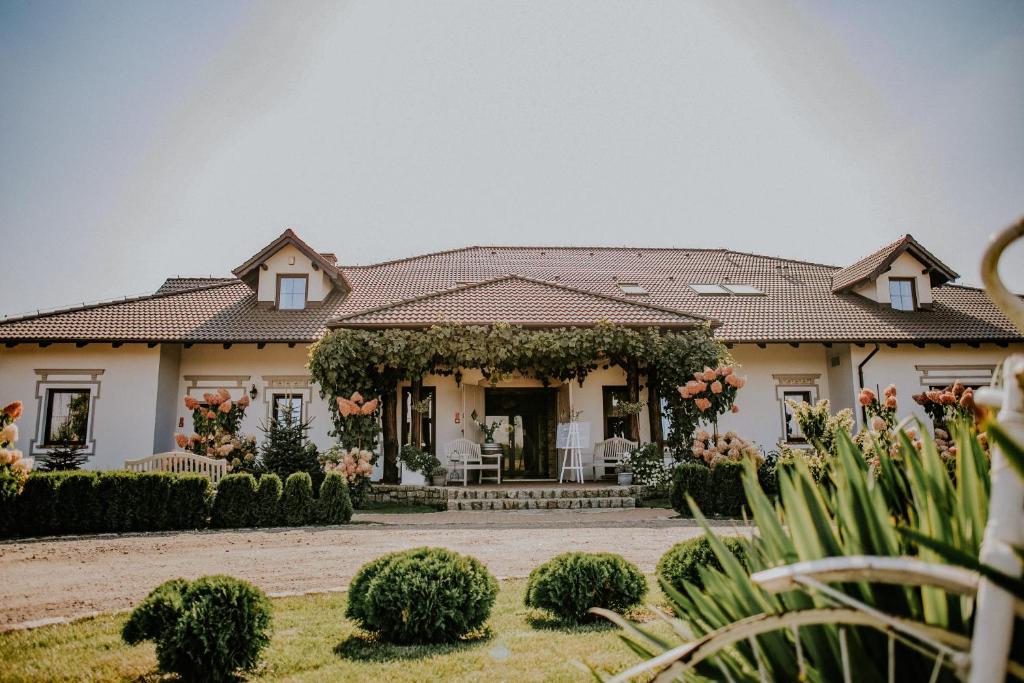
(373, 362)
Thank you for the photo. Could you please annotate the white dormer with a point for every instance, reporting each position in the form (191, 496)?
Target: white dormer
(900, 275)
(290, 275)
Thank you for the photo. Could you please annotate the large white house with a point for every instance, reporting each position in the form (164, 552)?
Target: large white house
(799, 330)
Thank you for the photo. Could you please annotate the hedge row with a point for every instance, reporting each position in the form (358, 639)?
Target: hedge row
(717, 491)
(113, 502)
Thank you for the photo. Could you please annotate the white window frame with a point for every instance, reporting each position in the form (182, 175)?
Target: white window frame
(67, 379)
(292, 295)
(785, 383)
(908, 300)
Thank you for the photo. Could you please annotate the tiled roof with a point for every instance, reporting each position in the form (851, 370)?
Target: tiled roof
(181, 284)
(519, 301)
(873, 265)
(798, 302)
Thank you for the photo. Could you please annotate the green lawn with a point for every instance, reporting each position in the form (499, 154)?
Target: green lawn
(314, 642)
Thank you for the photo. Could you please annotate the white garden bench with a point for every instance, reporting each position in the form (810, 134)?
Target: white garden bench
(465, 455)
(609, 453)
(180, 462)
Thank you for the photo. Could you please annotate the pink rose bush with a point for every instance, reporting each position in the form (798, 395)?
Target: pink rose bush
(356, 421)
(215, 423)
(14, 467)
(713, 393)
(355, 464)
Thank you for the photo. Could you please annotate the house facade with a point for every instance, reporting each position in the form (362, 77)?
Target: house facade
(119, 370)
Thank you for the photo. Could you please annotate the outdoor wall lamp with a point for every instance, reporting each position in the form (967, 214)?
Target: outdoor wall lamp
(253, 392)
(458, 378)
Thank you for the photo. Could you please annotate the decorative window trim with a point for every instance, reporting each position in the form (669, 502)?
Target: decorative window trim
(65, 378)
(806, 381)
(913, 293)
(933, 376)
(299, 386)
(281, 277)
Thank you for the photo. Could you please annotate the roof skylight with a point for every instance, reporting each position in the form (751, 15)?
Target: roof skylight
(632, 288)
(708, 288)
(744, 290)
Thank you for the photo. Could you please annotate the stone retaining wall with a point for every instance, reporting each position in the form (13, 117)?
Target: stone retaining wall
(433, 496)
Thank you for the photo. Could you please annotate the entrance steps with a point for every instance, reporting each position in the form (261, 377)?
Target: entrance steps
(552, 497)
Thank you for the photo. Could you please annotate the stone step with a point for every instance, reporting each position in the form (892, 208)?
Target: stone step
(542, 503)
(459, 493)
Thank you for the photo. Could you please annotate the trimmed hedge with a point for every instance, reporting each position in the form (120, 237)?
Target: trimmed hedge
(717, 491)
(267, 510)
(235, 502)
(297, 506)
(205, 630)
(424, 595)
(334, 505)
(571, 583)
(76, 502)
(682, 562)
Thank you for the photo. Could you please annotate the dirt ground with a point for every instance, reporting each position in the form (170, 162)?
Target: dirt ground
(51, 580)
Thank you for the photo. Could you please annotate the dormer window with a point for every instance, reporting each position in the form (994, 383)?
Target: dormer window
(902, 294)
(291, 292)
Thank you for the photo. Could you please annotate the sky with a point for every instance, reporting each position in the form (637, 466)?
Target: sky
(141, 140)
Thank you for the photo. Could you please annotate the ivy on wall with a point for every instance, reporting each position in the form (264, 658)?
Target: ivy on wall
(374, 362)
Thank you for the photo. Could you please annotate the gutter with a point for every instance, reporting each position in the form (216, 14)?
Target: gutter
(860, 378)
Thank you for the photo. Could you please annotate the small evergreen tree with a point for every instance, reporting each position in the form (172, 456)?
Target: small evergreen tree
(66, 456)
(287, 449)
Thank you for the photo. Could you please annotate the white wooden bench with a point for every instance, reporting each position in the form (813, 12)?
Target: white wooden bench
(465, 455)
(609, 453)
(180, 462)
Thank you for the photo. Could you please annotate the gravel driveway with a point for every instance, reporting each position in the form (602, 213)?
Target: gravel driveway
(46, 580)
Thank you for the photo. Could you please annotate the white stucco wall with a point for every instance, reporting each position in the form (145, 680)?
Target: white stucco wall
(124, 384)
(290, 261)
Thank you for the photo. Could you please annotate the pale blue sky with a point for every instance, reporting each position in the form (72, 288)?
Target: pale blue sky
(140, 140)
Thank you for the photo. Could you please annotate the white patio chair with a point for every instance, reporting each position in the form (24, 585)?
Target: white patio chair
(609, 453)
(465, 455)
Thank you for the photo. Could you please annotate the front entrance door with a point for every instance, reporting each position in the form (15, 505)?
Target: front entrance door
(527, 430)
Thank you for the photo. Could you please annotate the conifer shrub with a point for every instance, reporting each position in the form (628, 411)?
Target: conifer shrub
(334, 505)
(119, 501)
(155, 489)
(424, 595)
(287, 449)
(682, 562)
(693, 479)
(727, 495)
(234, 502)
(209, 629)
(267, 511)
(78, 507)
(36, 505)
(297, 505)
(189, 502)
(570, 584)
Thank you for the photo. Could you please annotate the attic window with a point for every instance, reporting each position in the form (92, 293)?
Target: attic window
(291, 292)
(708, 289)
(744, 290)
(902, 294)
(631, 288)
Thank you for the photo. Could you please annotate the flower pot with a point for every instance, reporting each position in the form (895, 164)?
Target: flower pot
(439, 479)
(625, 478)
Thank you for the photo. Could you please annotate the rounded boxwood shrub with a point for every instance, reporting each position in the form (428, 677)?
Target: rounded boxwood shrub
(334, 505)
(205, 630)
(424, 595)
(680, 564)
(235, 500)
(268, 501)
(693, 479)
(570, 584)
(297, 506)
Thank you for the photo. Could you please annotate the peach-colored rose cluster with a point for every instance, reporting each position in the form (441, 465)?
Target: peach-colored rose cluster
(215, 438)
(713, 389)
(354, 464)
(12, 411)
(355, 405)
(728, 446)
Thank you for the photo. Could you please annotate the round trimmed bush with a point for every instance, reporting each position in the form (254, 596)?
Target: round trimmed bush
(234, 503)
(267, 510)
(206, 630)
(334, 505)
(570, 584)
(424, 595)
(297, 506)
(680, 564)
